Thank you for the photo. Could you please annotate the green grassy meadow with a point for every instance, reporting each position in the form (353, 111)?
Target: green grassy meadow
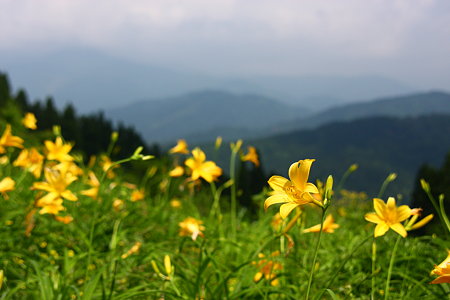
(95, 229)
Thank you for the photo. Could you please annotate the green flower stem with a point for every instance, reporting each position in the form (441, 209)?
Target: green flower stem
(344, 178)
(443, 213)
(391, 266)
(233, 194)
(215, 208)
(311, 273)
(385, 184)
(344, 262)
(96, 213)
(438, 210)
(91, 239)
(113, 281)
(374, 259)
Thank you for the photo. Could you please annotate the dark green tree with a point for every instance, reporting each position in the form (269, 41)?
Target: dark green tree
(439, 181)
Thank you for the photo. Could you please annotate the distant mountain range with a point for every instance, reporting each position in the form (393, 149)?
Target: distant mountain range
(379, 145)
(92, 80)
(399, 106)
(204, 115)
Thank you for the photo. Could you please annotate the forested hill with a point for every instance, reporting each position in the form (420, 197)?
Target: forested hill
(398, 106)
(91, 134)
(379, 145)
(203, 115)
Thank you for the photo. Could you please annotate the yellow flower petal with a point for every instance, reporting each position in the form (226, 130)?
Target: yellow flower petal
(403, 213)
(391, 203)
(306, 198)
(7, 184)
(181, 147)
(373, 217)
(277, 183)
(299, 173)
(29, 121)
(311, 188)
(177, 172)
(198, 155)
(379, 206)
(422, 222)
(381, 229)
(398, 227)
(441, 279)
(286, 209)
(275, 199)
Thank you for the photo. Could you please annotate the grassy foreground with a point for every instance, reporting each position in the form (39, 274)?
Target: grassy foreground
(75, 231)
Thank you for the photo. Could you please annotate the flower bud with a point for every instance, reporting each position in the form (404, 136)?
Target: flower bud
(391, 177)
(425, 185)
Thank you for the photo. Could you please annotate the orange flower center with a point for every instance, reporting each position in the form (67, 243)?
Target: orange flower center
(292, 191)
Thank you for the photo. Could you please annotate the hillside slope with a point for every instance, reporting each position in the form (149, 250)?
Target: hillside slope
(399, 106)
(202, 116)
(379, 145)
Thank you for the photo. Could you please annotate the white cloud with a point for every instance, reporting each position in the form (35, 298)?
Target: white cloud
(258, 34)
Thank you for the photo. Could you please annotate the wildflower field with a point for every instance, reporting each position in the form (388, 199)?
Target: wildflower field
(74, 227)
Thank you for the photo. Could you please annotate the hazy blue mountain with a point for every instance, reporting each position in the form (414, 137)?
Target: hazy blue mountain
(92, 80)
(399, 106)
(379, 145)
(320, 91)
(202, 116)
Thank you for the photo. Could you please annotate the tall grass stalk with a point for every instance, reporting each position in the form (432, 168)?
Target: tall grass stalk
(344, 262)
(233, 208)
(391, 177)
(374, 259)
(311, 273)
(391, 266)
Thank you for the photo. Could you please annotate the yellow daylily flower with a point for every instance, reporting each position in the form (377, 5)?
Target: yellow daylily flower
(31, 160)
(267, 269)
(442, 270)
(133, 250)
(388, 215)
(117, 204)
(175, 203)
(191, 227)
(65, 219)
(56, 185)
(4, 160)
(328, 226)
(137, 195)
(29, 121)
(251, 156)
(177, 171)
(58, 150)
(107, 166)
(294, 192)
(7, 184)
(69, 167)
(95, 185)
(50, 205)
(9, 140)
(208, 170)
(181, 147)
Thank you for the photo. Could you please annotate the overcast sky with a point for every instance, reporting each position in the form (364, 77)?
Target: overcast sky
(402, 39)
